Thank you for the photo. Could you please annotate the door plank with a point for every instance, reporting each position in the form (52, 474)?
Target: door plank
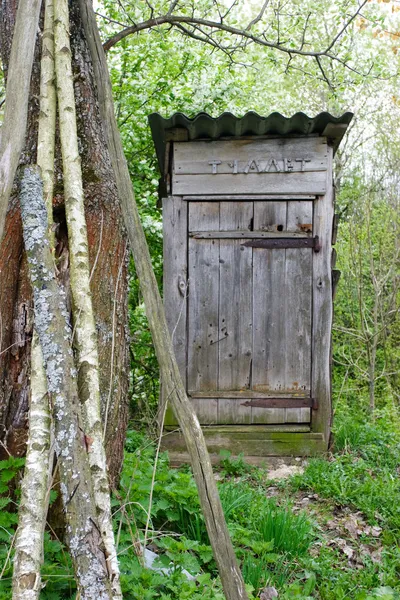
(206, 410)
(231, 411)
(175, 280)
(297, 315)
(235, 307)
(202, 369)
(268, 329)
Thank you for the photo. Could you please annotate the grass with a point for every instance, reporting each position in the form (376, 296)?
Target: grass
(299, 541)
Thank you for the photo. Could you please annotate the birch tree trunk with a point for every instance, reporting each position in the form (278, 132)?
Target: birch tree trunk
(35, 486)
(34, 489)
(52, 323)
(85, 335)
(107, 249)
(17, 98)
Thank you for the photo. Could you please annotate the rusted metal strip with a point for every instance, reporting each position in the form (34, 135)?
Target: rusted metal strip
(282, 403)
(283, 242)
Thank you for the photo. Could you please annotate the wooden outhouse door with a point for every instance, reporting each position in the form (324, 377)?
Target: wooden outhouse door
(249, 310)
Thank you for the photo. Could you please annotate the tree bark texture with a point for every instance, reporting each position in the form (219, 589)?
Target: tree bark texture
(35, 486)
(85, 334)
(52, 325)
(107, 251)
(12, 135)
(35, 489)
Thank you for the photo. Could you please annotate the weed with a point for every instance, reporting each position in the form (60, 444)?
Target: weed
(232, 466)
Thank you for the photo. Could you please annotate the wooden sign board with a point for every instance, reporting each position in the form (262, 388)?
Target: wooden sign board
(254, 166)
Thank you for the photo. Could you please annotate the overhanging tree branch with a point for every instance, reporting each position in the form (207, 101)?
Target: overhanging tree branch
(244, 34)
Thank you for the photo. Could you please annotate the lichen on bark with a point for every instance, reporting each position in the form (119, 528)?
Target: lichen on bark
(85, 334)
(52, 325)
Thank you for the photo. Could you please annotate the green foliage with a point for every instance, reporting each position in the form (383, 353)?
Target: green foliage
(234, 466)
(9, 471)
(363, 474)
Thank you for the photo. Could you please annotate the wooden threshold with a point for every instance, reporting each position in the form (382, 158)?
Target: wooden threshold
(251, 440)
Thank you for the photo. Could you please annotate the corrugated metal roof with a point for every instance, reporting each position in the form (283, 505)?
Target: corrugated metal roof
(203, 127)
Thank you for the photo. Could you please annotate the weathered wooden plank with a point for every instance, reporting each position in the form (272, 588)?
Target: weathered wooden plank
(290, 154)
(206, 410)
(235, 310)
(281, 402)
(231, 411)
(280, 166)
(268, 328)
(203, 166)
(297, 312)
(243, 394)
(203, 325)
(247, 234)
(237, 197)
(235, 300)
(266, 183)
(175, 275)
(259, 431)
(322, 309)
(254, 444)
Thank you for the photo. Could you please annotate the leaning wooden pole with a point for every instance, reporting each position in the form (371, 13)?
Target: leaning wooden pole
(230, 574)
(85, 338)
(52, 324)
(35, 485)
(33, 506)
(12, 135)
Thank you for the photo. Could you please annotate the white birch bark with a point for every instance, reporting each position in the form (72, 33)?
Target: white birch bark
(52, 323)
(47, 114)
(83, 317)
(12, 136)
(35, 486)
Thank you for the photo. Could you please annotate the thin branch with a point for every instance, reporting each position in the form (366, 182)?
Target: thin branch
(109, 20)
(232, 6)
(172, 6)
(303, 39)
(335, 39)
(317, 58)
(259, 16)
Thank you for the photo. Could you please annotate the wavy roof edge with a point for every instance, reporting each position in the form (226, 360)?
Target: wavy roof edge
(203, 127)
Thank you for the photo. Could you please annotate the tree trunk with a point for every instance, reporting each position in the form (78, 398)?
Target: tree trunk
(89, 556)
(107, 248)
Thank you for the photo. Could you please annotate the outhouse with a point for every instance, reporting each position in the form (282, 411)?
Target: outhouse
(249, 224)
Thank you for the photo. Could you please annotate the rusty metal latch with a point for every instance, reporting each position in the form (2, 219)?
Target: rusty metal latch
(283, 242)
(282, 403)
